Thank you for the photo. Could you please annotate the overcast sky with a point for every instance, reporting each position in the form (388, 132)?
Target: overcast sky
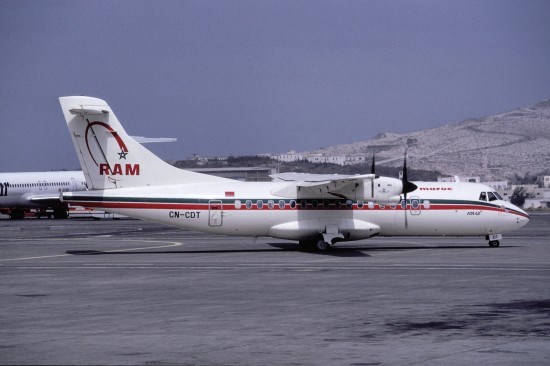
(249, 77)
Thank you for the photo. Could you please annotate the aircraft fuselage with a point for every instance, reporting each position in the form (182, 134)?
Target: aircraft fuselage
(240, 208)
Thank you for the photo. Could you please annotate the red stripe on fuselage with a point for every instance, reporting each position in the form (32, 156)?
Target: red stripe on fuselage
(228, 207)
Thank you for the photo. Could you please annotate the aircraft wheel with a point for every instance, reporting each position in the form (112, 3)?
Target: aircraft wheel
(494, 243)
(60, 214)
(17, 214)
(322, 245)
(313, 245)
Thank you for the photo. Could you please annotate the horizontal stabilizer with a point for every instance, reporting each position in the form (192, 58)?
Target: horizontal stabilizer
(147, 140)
(88, 111)
(45, 199)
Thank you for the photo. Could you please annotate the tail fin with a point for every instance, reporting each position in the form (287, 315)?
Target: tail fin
(112, 159)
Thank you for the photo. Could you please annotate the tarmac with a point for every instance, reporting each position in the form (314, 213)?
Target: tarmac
(128, 292)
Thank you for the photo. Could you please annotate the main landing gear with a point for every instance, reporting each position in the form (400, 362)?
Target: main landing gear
(17, 214)
(323, 241)
(60, 213)
(315, 245)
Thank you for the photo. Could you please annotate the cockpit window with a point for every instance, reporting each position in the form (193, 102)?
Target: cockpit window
(491, 196)
(483, 196)
(498, 196)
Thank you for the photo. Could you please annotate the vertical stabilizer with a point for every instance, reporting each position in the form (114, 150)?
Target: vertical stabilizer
(109, 157)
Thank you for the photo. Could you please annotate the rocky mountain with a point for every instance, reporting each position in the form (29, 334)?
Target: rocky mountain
(494, 147)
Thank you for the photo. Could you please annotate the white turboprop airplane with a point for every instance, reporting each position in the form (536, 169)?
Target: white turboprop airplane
(318, 211)
(37, 190)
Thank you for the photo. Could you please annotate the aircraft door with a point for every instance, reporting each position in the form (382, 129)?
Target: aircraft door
(215, 213)
(415, 206)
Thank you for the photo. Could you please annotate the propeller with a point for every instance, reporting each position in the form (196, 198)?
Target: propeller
(407, 187)
(373, 171)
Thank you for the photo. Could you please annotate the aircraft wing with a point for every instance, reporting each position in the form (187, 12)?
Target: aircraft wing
(305, 177)
(310, 180)
(342, 186)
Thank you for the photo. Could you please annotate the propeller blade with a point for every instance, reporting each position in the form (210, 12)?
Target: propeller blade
(373, 171)
(406, 209)
(407, 186)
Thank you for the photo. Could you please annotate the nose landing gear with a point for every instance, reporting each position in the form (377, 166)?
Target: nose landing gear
(494, 239)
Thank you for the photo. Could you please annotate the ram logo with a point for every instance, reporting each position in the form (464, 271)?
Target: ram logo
(119, 169)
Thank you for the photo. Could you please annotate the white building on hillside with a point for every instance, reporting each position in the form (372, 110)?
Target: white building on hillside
(457, 178)
(499, 185)
(289, 157)
(544, 181)
(322, 159)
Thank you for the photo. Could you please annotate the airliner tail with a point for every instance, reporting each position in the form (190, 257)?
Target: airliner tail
(109, 157)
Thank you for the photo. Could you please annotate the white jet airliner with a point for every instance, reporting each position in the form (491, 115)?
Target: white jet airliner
(37, 190)
(318, 211)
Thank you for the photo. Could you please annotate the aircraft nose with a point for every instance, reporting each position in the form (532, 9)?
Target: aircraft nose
(522, 217)
(523, 220)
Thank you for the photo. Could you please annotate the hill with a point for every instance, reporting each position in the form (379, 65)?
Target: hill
(494, 147)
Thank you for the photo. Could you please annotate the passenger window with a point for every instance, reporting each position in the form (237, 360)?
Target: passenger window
(325, 204)
(349, 203)
(483, 196)
(491, 196)
(414, 204)
(303, 204)
(248, 204)
(270, 204)
(370, 205)
(292, 204)
(238, 204)
(282, 204)
(315, 203)
(260, 204)
(403, 204)
(426, 204)
(360, 204)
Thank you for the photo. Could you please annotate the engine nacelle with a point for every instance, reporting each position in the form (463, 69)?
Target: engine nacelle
(386, 190)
